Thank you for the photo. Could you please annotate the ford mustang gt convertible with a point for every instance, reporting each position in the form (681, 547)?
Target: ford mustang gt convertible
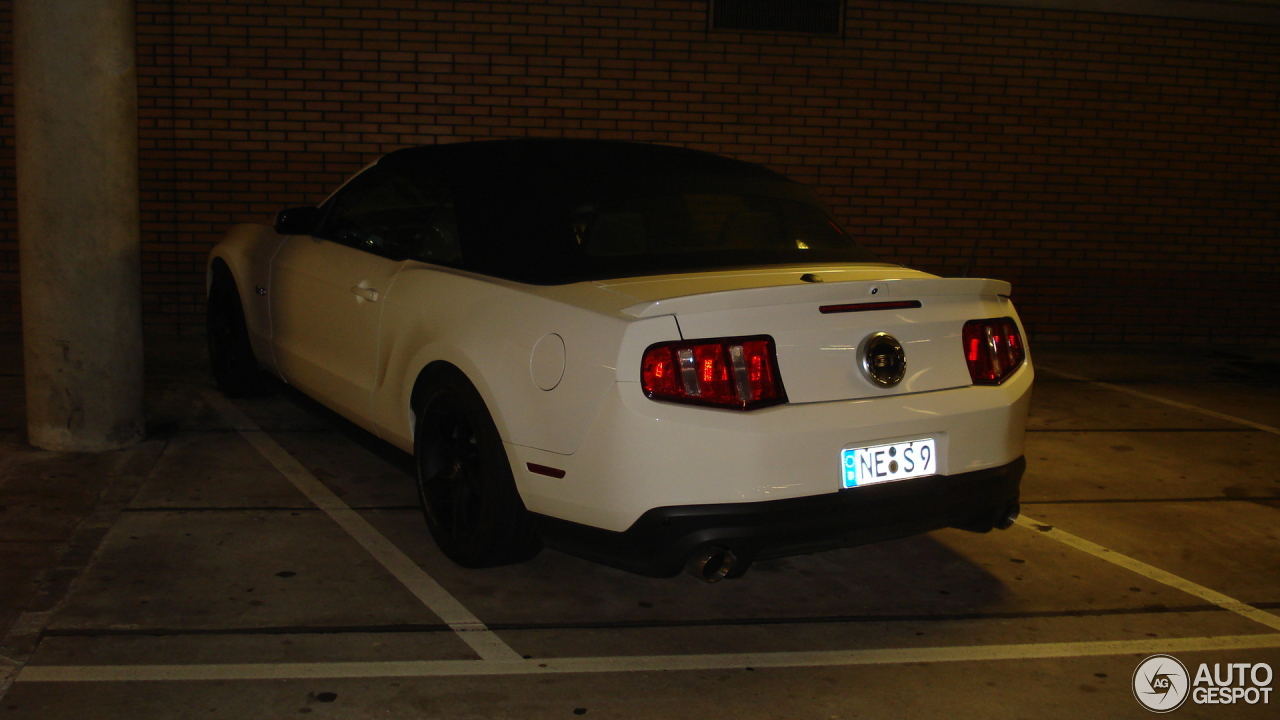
(647, 356)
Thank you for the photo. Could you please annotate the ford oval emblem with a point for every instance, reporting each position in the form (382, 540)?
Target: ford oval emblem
(882, 360)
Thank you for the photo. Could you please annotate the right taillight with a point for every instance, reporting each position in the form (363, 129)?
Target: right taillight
(737, 373)
(993, 348)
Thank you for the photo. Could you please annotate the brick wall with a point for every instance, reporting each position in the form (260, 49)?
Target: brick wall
(10, 312)
(1122, 171)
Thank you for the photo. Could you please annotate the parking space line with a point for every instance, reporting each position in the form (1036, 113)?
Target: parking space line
(1154, 573)
(1150, 500)
(468, 627)
(639, 663)
(1166, 401)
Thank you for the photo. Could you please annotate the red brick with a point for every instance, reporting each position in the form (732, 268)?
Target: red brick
(1073, 153)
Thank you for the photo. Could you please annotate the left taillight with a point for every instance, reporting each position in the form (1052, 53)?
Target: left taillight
(739, 373)
(993, 349)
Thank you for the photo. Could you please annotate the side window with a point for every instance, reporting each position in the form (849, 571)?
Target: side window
(395, 215)
(439, 244)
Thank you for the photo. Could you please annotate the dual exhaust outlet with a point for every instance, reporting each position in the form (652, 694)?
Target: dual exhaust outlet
(711, 563)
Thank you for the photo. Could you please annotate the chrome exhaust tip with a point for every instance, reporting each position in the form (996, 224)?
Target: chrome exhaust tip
(1010, 514)
(711, 564)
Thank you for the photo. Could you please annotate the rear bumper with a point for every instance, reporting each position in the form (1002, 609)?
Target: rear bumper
(638, 454)
(660, 542)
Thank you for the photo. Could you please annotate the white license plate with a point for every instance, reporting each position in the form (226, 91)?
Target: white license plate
(886, 463)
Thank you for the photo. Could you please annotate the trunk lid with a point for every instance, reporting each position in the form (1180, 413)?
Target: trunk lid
(818, 351)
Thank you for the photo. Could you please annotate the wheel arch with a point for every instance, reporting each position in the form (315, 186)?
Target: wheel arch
(217, 266)
(453, 363)
(246, 254)
(417, 396)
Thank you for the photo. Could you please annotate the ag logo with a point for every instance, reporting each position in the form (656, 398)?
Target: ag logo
(1160, 683)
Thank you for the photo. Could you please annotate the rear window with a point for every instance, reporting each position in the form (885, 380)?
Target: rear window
(700, 222)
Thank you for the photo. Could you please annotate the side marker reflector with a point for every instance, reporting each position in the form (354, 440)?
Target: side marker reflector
(544, 470)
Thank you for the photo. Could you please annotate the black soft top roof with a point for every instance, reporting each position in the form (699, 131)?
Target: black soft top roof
(514, 198)
(567, 165)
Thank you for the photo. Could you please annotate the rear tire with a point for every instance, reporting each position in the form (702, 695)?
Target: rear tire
(468, 494)
(235, 370)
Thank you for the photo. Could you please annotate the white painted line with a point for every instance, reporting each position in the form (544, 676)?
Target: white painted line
(1166, 401)
(1152, 572)
(469, 628)
(639, 663)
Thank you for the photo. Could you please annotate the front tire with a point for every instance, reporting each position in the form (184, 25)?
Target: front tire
(468, 494)
(235, 370)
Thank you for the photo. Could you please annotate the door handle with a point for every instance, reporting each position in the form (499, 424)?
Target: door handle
(367, 293)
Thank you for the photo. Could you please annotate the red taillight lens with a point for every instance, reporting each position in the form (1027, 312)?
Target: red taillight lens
(740, 373)
(993, 349)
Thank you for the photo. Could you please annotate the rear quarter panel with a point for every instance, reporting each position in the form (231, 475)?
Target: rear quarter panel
(488, 329)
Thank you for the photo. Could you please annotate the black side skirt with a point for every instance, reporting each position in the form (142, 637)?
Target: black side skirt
(660, 542)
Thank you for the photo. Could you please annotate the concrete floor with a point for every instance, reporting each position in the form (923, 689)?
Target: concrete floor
(263, 559)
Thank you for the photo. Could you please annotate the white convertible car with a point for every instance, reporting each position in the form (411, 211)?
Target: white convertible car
(647, 356)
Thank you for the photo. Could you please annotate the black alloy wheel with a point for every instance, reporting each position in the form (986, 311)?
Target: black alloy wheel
(468, 495)
(235, 370)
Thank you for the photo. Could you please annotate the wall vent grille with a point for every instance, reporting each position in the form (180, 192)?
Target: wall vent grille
(811, 17)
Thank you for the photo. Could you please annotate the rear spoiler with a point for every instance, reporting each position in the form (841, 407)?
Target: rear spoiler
(831, 292)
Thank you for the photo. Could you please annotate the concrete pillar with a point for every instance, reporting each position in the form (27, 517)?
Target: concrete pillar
(76, 114)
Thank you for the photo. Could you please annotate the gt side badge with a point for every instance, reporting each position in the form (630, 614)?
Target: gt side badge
(882, 359)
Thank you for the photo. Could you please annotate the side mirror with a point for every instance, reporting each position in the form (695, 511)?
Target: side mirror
(297, 220)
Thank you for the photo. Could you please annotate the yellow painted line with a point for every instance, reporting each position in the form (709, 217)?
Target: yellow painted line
(1150, 571)
(468, 627)
(1172, 403)
(640, 663)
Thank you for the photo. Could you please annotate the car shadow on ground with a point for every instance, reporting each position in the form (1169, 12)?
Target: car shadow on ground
(921, 575)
